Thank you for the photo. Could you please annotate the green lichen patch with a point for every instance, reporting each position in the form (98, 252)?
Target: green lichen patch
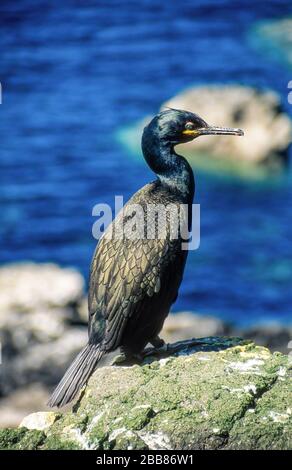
(267, 425)
(220, 393)
(21, 439)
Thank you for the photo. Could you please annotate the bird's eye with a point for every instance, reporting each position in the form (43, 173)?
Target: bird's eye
(189, 126)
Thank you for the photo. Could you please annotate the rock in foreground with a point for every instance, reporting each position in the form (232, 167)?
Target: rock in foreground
(218, 393)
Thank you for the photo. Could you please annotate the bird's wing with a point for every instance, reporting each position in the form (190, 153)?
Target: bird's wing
(124, 274)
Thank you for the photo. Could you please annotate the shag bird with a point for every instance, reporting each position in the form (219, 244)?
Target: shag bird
(134, 280)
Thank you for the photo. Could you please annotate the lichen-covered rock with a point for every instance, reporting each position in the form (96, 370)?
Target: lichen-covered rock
(213, 393)
(41, 332)
(21, 439)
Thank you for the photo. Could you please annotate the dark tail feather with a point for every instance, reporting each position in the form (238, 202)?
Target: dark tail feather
(76, 376)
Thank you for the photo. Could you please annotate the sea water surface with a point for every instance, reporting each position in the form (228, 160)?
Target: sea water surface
(73, 74)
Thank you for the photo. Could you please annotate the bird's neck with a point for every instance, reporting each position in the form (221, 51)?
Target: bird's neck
(172, 169)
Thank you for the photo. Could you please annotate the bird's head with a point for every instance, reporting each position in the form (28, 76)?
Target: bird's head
(175, 126)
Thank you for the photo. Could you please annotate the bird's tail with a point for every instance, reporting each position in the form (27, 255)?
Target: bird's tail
(77, 375)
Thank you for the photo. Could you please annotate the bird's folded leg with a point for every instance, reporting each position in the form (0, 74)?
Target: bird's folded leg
(127, 359)
(160, 348)
(157, 342)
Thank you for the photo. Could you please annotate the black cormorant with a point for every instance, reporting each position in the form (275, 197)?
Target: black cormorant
(134, 280)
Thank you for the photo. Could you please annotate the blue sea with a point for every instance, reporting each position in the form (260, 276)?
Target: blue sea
(74, 74)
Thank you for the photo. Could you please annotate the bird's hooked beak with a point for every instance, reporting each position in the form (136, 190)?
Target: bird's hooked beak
(212, 130)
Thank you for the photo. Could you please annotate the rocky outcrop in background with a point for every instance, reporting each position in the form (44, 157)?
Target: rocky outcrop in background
(216, 393)
(43, 325)
(267, 128)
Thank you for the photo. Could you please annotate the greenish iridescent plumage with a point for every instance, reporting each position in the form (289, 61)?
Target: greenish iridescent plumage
(133, 282)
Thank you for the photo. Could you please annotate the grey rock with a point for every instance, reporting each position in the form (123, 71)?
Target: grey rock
(273, 336)
(185, 325)
(43, 362)
(30, 287)
(39, 335)
(216, 393)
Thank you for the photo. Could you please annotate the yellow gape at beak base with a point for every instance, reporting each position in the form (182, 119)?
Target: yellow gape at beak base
(189, 132)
